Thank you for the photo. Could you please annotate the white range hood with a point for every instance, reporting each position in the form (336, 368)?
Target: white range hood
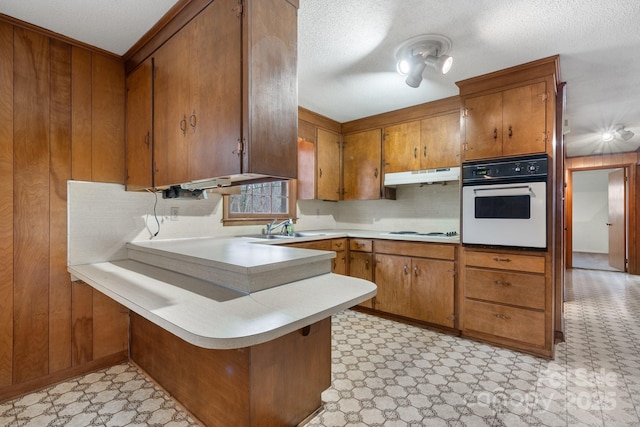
(425, 176)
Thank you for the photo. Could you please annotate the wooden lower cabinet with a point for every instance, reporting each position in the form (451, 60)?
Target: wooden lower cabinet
(507, 299)
(277, 383)
(361, 263)
(414, 287)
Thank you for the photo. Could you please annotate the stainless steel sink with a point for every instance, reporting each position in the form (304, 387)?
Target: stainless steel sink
(283, 236)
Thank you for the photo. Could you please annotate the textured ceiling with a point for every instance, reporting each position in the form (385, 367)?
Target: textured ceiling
(346, 51)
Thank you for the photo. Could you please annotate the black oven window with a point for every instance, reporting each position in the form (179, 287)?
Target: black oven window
(503, 207)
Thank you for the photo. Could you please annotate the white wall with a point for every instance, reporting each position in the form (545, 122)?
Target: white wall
(590, 211)
(103, 217)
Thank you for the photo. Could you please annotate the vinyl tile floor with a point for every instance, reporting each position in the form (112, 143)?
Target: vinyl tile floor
(390, 374)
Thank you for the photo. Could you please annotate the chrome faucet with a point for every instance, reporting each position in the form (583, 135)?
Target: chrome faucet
(272, 225)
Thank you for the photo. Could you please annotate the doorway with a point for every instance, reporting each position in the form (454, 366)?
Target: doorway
(599, 219)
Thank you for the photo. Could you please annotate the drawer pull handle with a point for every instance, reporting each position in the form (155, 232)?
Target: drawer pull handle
(338, 245)
(498, 259)
(502, 316)
(501, 283)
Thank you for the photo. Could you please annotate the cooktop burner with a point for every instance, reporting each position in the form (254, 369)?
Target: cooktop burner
(433, 233)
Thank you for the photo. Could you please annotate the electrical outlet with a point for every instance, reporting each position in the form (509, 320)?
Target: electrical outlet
(175, 211)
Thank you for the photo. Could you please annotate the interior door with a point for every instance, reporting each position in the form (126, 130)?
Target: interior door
(617, 220)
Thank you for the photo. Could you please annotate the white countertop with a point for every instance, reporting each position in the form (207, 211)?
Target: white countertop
(215, 317)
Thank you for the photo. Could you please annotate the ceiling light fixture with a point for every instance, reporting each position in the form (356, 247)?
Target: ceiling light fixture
(607, 136)
(625, 134)
(414, 54)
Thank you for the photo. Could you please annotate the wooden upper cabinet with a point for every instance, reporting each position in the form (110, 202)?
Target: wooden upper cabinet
(306, 161)
(328, 165)
(483, 117)
(524, 121)
(433, 142)
(361, 154)
(510, 112)
(197, 102)
(218, 109)
(139, 110)
(511, 122)
(440, 141)
(402, 147)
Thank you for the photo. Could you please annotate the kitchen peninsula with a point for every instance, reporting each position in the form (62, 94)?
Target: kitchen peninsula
(231, 355)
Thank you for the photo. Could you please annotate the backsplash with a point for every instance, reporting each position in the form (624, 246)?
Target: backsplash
(103, 217)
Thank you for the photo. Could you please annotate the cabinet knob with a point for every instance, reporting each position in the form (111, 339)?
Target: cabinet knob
(366, 264)
(415, 271)
(183, 125)
(375, 173)
(193, 121)
(406, 269)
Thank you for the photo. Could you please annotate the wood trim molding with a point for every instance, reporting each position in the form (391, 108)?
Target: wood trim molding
(53, 35)
(417, 112)
(608, 161)
(318, 120)
(16, 390)
(176, 18)
(498, 80)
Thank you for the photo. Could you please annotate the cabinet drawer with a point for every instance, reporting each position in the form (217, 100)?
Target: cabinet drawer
(321, 245)
(504, 261)
(338, 244)
(361, 245)
(517, 324)
(526, 290)
(416, 249)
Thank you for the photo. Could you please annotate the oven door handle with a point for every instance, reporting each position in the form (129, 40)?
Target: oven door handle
(528, 189)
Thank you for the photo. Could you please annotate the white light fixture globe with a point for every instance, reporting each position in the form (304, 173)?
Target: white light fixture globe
(607, 136)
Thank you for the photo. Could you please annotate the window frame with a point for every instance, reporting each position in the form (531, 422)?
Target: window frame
(233, 219)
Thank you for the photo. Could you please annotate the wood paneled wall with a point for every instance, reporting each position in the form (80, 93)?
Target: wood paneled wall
(61, 118)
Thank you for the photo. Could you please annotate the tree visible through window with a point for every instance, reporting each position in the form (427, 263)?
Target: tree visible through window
(265, 200)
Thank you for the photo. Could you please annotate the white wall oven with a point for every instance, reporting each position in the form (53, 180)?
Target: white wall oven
(504, 202)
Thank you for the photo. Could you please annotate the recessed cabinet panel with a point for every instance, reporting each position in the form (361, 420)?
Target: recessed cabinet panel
(402, 147)
(328, 157)
(483, 116)
(361, 159)
(139, 127)
(524, 118)
(440, 141)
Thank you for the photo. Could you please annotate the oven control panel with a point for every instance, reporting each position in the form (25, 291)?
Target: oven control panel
(513, 168)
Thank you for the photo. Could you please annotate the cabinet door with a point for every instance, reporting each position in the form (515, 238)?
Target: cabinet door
(328, 152)
(361, 165)
(524, 120)
(440, 139)
(483, 126)
(214, 110)
(339, 265)
(139, 121)
(171, 101)
(401, 147)
(432, 291)
(361, 266)
(393, 277)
